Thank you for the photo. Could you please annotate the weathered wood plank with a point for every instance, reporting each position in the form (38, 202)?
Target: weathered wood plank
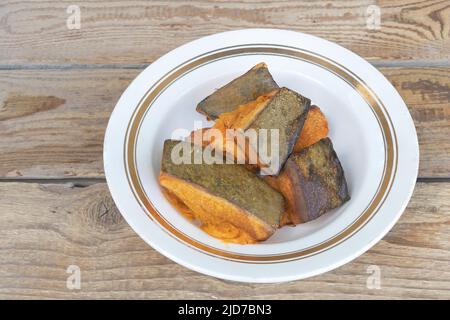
(52, 122)
(141, 31)
(426, 91)
(81, 226)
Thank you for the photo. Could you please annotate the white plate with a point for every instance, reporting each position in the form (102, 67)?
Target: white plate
(370, 126)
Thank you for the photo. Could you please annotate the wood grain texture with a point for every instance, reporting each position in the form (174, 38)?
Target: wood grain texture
(141, 31)
(81, 226)
(52, 122)
(426, 91)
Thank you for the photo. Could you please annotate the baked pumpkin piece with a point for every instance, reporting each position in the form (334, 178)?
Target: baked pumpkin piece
(313, 182)
(254, 83)
(283, 111)
(225, 198)
(314, 129)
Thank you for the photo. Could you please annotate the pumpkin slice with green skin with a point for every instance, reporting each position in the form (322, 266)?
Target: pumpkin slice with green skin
(281, 111)
(227, 196)
(249, 86)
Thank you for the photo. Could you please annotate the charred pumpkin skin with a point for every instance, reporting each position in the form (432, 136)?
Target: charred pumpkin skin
(313, 182)
(254, 83)
(231, 182)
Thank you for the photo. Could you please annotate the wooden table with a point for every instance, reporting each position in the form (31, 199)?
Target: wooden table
(58, 87)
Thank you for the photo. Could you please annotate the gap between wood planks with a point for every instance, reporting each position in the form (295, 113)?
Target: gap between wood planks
(85, 182)
(420, 63)
(76, 182)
